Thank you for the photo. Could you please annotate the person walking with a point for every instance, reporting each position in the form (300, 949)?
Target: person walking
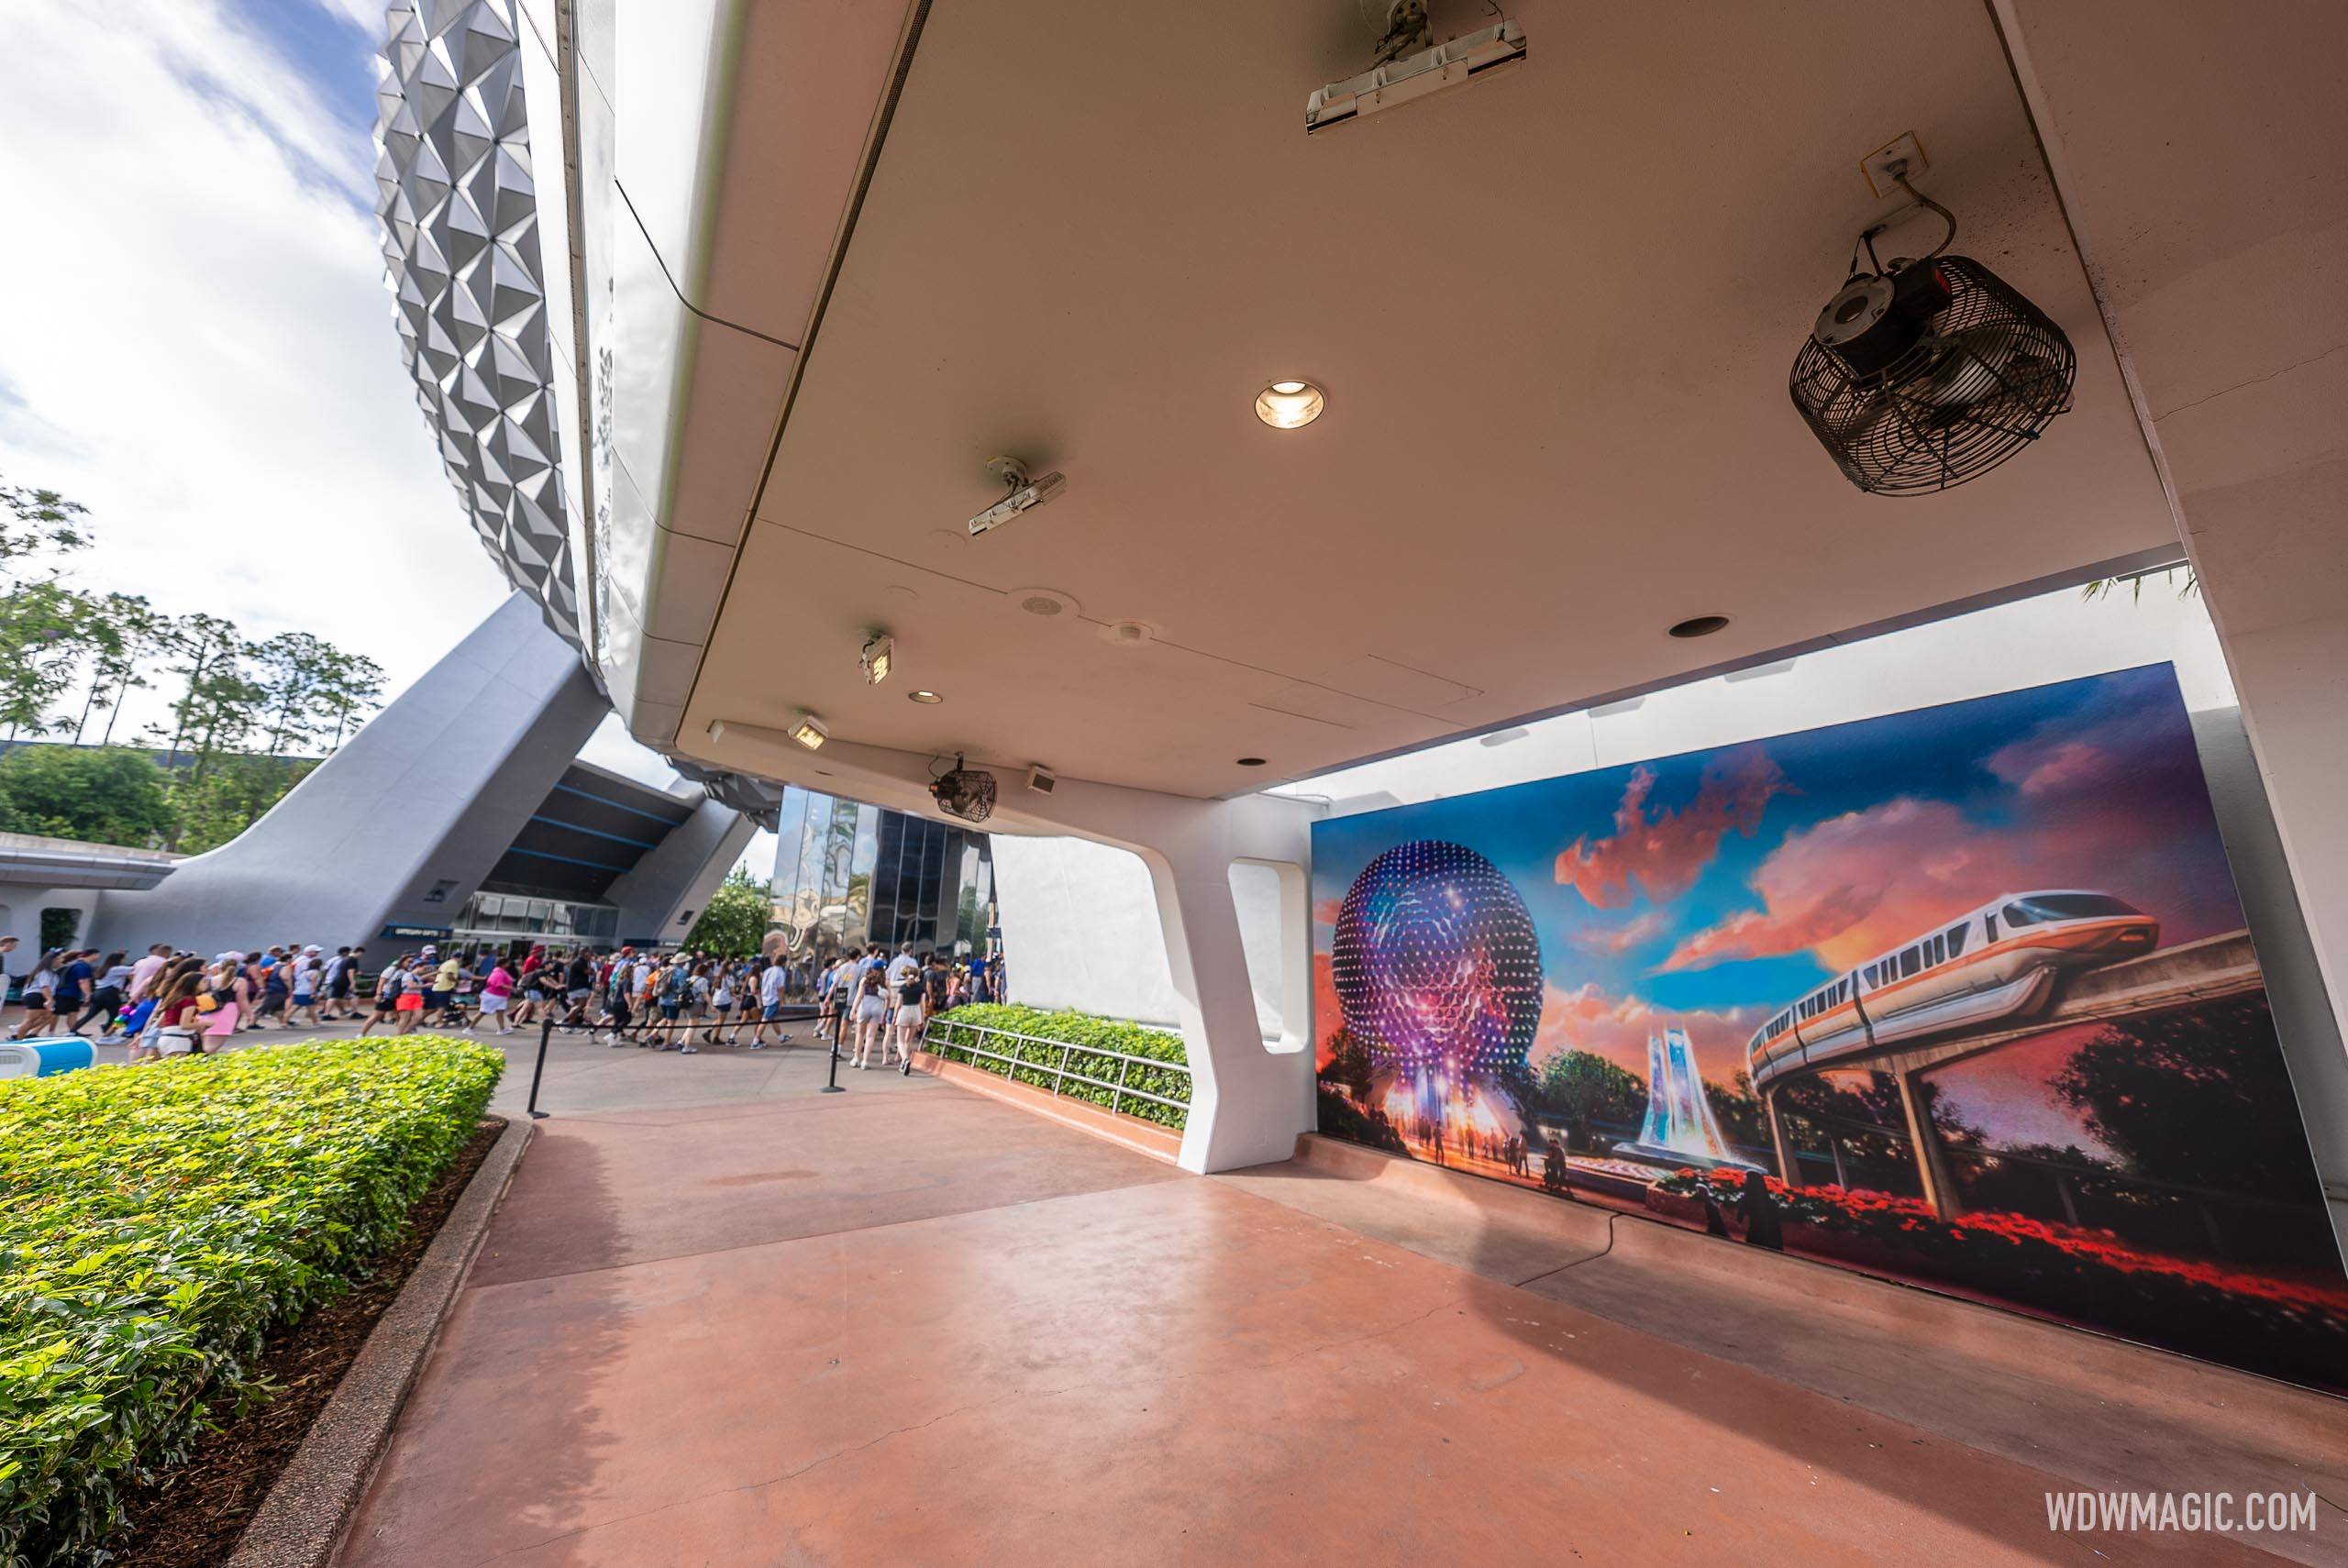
(907, 994)
(494, 993)
(388, 987)
(723, 1001)
(338, 984)
(871, 1012)
(41, 997)
(615, 997)
(175, 1020)
(72, 984)
(308, 973)
(148, 971)
(771, 980)
(578, 988)
(106, 995)
(232, 995)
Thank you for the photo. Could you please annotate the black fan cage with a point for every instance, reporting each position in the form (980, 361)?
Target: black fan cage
(1989, 374)
(968, 793)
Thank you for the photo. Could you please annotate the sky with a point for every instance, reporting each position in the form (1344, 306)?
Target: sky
(198, 345)
(1709, 890)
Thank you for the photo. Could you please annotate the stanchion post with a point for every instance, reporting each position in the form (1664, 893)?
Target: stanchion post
(545, 1032)
(831, 1068)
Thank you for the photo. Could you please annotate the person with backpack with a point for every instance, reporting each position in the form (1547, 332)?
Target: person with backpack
(226, 998)
(676, 991)
(389, 985)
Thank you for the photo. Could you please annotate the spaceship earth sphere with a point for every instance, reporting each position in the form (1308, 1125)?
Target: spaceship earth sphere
(1436, 963)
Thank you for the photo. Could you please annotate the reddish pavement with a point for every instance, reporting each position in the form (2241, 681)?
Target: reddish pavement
(908, 1325)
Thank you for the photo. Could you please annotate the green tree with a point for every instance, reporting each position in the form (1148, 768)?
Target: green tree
(350, 686)
(202, 644)
(234, 793)
(1738, 1114)
(41, 626)
(1586, 1089)
(736, 918)
(103, 795)
(292, 670)
(119, 661)
(36, 522)
(2198, 1097)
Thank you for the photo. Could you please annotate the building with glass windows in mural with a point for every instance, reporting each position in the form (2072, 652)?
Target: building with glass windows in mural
(847, 874)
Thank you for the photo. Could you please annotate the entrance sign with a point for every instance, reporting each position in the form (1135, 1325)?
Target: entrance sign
(1963, 997)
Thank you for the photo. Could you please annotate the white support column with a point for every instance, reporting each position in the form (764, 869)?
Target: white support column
(1248, 1101)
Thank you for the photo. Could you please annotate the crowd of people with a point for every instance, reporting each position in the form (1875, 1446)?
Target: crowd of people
(168, 1003)
(870, 1001)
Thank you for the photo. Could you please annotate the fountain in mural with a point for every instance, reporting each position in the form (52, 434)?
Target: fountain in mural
(1680, 1129)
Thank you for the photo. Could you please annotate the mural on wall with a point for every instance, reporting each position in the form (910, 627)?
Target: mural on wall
(1962, 996)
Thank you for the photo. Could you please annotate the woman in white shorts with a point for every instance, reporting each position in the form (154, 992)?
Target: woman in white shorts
(871, 1016)
(908, 1017)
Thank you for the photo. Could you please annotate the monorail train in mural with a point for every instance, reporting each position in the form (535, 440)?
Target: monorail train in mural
(1999, 961)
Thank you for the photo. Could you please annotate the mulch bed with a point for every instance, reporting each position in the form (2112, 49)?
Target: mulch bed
(190, 1516)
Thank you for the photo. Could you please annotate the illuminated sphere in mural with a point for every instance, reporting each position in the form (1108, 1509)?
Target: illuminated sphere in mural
(1435, 962)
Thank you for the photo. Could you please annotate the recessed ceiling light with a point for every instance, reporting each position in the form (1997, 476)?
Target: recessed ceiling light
(1700, 626)
(1048, 602)
(1251, 762)
(931, 698)
(1290, 405)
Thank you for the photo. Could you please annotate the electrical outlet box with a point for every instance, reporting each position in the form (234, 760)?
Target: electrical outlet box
(1878, 165)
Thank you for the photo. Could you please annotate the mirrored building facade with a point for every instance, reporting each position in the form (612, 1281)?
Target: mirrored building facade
(847, 874)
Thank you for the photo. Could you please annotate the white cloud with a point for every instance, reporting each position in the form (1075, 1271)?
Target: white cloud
(197, 346)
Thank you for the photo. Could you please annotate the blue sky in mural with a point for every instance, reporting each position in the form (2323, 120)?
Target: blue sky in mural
(1708, 888)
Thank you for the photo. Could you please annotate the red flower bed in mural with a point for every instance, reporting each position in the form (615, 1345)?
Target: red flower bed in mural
(2286, 1326)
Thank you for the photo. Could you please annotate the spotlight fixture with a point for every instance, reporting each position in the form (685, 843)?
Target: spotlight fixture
(929, 698)
(1290, 405)
(1700, 626)
(1923, 375)
(1040, 779)
(879, 656)
(1251, 762)
(1026, 495)
(810, 732)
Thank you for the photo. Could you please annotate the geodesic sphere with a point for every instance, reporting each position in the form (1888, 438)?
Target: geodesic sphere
(1436, 963)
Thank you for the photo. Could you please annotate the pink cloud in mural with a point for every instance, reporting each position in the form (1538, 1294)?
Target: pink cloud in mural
(2096, 807)
(1618, 940)
(1855, 884)
(1661, 854)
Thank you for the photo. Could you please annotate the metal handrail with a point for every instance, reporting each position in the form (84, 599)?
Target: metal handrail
(1061, 1073)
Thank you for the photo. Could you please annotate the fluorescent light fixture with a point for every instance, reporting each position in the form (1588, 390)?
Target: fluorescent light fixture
(879, 657)
(1413, 76)
(810, 732)
(1290, 405)
(1027, 493)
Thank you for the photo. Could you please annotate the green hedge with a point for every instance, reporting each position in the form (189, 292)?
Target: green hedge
(1077, 1029)
(156, 1221)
